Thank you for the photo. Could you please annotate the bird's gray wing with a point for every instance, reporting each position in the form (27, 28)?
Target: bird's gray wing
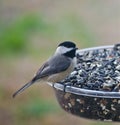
(54, 65)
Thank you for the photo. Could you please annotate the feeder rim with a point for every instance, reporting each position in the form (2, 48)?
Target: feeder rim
(86, 92)
(96, 48)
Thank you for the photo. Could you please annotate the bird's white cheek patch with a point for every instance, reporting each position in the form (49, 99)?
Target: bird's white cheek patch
(63, 49)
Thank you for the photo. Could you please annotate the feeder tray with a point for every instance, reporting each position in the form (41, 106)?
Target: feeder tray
(93, 98)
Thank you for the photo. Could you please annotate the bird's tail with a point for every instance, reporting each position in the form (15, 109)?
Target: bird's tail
(23, 88)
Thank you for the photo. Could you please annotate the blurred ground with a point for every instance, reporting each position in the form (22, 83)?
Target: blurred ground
(29, 33)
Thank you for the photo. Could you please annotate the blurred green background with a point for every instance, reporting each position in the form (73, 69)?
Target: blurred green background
(29, 33)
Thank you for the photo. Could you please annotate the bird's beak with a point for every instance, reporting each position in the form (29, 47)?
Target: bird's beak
(76, 48)
(23, 88)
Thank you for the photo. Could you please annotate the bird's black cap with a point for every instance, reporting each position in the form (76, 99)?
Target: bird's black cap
(68, 44)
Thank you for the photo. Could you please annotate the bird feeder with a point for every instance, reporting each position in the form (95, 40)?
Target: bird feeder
(92, 90)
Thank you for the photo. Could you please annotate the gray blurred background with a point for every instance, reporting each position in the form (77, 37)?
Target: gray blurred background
(30, 30)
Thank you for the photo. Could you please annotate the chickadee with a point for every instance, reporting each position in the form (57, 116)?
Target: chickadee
(56, 68)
